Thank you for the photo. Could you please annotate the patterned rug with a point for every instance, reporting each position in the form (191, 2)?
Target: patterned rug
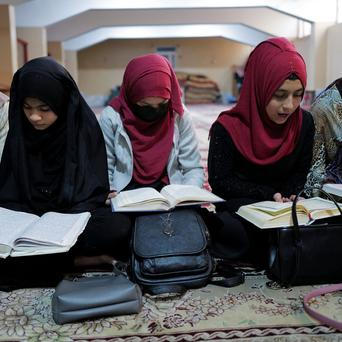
(249, 312)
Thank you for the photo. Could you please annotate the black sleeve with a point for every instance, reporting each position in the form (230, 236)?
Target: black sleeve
(222, 178)
(297, 179)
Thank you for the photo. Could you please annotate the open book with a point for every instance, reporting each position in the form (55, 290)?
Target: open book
(28, 234)
(149, 199)
(335, 189)
(270, 214)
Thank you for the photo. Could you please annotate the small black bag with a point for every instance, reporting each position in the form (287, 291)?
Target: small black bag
(170, 252)
(307, 254)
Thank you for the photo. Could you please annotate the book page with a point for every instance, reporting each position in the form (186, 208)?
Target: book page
(12, 224)
(138, 198)
(53, 229)
(320, 207)
(318, 203)
(145, 207)
(335, 189)
(307, 205)
(264, 220)
(178, 193)
(272, 208)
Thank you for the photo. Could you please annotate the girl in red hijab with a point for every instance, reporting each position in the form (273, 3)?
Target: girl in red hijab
(261, 149)
(149, 137)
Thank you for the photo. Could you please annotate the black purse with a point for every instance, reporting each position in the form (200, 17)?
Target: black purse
(307, 254)
(170, 252)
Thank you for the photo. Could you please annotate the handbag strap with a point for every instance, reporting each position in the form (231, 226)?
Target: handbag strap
(321, 318)
(297, 238)
(226, 275)
(294, 206)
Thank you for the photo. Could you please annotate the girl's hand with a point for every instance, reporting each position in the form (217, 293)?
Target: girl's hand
(278, 197)
(292, 198)
(112, 194)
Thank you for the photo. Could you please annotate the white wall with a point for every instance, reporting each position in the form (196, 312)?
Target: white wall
(334, 53)
(101, 66)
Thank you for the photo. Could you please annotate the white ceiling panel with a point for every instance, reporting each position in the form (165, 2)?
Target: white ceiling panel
(235, 32)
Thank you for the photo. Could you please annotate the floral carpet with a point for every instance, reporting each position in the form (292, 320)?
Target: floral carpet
(253, 311)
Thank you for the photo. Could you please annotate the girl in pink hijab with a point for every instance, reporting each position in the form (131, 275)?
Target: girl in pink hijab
(149, 136)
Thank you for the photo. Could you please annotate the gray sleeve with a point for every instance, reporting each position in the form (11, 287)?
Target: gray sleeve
(188, 155)
(108, 126)
(3, 125)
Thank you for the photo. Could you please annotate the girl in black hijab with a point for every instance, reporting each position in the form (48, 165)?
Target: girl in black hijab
(54, 159)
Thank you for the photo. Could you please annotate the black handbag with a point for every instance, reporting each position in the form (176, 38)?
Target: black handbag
(170, 252)
(307, 254)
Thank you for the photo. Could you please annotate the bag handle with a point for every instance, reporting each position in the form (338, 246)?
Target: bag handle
(226, 275)
(294, 206)
(318, 316)
(297, 238)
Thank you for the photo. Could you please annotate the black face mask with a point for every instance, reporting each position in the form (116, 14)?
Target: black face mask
(150, 114)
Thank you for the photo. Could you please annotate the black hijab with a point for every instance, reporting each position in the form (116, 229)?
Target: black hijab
(62, 168)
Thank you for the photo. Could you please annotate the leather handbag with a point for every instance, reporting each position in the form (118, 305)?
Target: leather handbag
(307, 254)
(170, 252)
(98, 296)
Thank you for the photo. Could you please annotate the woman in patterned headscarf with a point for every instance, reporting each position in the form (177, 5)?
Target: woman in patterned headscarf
(261, 149)
(326, 110)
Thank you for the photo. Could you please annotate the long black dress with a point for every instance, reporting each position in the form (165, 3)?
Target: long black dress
(241, 182)
(62, 168)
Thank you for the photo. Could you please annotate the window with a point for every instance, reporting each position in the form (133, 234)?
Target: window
(168, 52)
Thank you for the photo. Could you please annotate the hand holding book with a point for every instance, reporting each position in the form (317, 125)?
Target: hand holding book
(271, 214)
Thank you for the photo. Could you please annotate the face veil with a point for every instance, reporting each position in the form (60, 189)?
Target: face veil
(61, 168)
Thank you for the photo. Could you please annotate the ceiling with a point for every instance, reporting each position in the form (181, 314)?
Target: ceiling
(82, 23)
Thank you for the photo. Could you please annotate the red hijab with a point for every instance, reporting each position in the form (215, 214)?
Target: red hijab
(145, 76)
(257, 138)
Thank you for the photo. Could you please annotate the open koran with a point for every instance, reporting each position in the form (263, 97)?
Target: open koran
(270, 214)
(149, 199)
(334, 189)
(24, 234)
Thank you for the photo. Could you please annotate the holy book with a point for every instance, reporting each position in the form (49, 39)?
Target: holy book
(271, 214)
(23, 234)
(170, 196)
(334, 189)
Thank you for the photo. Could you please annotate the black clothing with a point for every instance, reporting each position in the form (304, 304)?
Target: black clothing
(105, 233)
(241, 182)
(62, 168)
(158, 185)
(45, 87)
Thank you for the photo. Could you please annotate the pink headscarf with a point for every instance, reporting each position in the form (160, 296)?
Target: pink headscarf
(257, 138)
(146, 76)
